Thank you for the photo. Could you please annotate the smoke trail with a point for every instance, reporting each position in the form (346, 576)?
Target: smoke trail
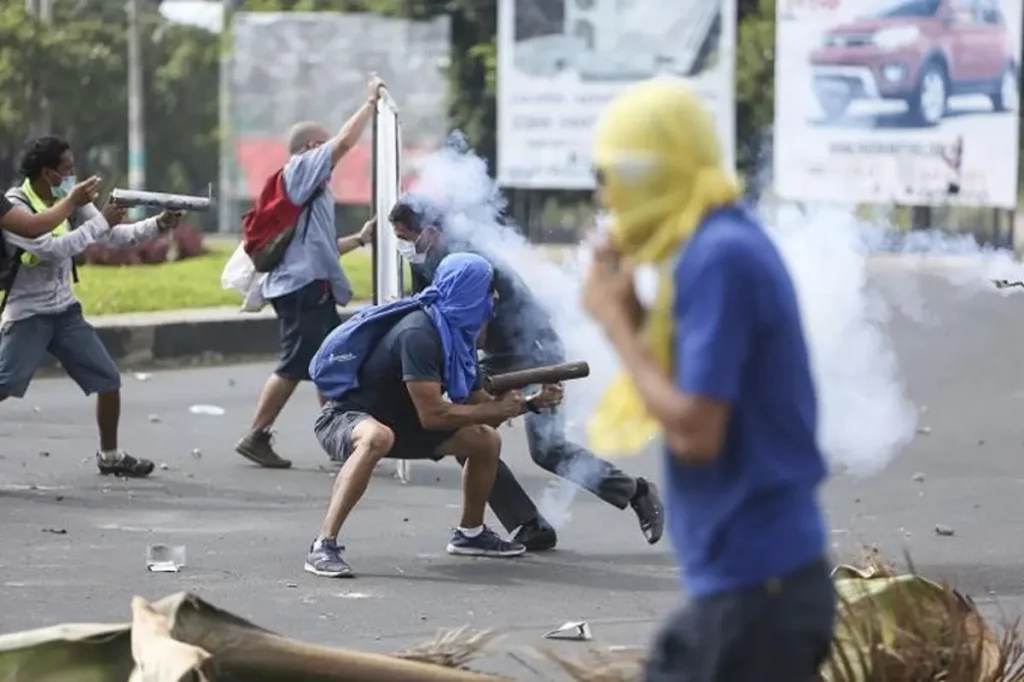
(865, 417)
(457, 181)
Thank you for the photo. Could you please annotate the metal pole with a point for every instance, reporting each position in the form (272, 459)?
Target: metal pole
(226, 192)
(136, 124)
(41, 116)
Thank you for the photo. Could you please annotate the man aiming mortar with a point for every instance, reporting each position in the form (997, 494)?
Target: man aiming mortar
(384, 374)
(521, 336)
(40, 313)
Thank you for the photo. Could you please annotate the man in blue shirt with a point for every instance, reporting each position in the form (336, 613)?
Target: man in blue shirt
(385, 373)
(723, 366)
(309, 284)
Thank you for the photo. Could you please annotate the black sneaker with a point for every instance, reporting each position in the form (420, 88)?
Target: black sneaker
(257, 447)
(487, 543)
(649, 510)
(325, 560)
(124, 465)
(537, 536)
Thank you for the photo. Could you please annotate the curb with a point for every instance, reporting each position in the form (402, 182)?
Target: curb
(168, 341)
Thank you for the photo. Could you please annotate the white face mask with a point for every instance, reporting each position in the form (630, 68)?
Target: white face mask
(407, 250)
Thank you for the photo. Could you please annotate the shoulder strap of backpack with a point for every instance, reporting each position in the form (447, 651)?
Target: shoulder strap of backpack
(16, 194)
(308, 210)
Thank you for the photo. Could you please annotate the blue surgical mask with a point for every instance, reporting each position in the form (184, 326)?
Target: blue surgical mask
(64, 188)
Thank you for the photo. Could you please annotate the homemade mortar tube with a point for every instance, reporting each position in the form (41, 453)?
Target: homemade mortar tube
(129, 198)
(548, 374)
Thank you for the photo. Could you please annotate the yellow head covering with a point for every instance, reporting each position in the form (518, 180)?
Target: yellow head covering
(662, 172)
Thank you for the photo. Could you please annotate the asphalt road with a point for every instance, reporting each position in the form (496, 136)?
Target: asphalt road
(75, 543)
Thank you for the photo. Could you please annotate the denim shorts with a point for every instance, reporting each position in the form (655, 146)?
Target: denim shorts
(334, 427)
(305, 318)
(64, 335)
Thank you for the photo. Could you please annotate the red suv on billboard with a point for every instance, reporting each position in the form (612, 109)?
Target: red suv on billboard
(919, 51)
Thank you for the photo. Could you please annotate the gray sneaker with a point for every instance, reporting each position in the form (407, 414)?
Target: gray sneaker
(325, 560)
(256, 447)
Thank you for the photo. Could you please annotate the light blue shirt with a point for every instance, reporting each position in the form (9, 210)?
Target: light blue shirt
(313, 252)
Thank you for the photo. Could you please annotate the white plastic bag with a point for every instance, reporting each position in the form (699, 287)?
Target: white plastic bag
(240, 275)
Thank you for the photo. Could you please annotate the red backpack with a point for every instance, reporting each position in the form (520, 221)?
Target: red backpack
(269, 226)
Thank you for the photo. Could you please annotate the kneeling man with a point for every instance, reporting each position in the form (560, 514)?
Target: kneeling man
(384, 374)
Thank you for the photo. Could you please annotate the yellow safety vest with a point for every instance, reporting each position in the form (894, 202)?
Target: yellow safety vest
(38, 206)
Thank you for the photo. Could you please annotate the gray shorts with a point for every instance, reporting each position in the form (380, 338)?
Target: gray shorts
(67, 337)
(334, 427)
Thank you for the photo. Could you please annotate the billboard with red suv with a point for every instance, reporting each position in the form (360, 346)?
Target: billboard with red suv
(910, 101)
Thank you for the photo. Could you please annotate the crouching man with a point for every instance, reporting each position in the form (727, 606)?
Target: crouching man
(384, 374)
(40, 313)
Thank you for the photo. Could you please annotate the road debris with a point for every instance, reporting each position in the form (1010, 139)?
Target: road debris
(197, 453)
(143, 376)
(574, 631)
(207, 410)
(56, 531)
(165, 558)
(945, 531)
(154, 419)
(924, 430)
(164, 466)
(918, 477)
(44, 453)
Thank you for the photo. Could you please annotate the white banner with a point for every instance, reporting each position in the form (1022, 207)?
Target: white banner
(897, 101)
(561, 61)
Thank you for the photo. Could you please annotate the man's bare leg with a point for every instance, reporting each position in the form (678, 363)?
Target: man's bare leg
(256, 446)
(108, 417)
(371, 441)
(478, 449)
(111, 460)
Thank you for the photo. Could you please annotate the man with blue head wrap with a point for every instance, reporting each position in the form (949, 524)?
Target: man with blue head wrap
(384, 374)
(522, 335)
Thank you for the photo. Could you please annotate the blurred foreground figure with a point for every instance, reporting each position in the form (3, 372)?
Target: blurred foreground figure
(720, 366)
(522, 336)
(384, 374)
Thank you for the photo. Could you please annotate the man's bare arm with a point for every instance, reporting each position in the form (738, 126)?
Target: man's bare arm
(350, 132)
(437, 414)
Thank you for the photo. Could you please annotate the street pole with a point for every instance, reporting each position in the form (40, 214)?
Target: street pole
(226, 191)
(136, 123)
(41, 120)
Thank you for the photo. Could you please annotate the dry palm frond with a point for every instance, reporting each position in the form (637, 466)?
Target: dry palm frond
(452, 648)
(602, 665)
(904, 628)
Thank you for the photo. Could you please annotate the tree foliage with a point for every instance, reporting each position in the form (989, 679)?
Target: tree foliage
(78, 62)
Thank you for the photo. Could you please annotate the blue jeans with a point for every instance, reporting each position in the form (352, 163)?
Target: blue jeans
(64, 335)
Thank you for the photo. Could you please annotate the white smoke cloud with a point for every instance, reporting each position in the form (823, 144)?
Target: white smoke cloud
(865, 415)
